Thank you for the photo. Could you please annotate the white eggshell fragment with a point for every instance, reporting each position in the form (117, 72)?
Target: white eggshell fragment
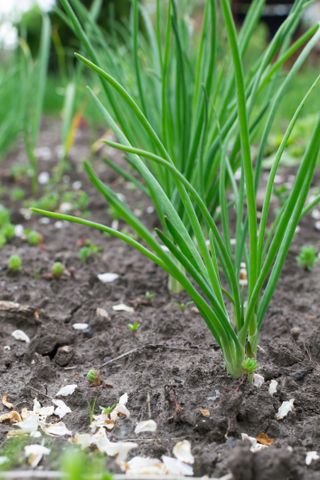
(62, 409)
(56, 429)
(108, 277)
(258, 380)
(175, 467)
(66, 391)
(182, 451)
(34, 454)
(122, 308)
(311, 456)
(273, 387)
(284, 409)
(20, 336)
(81, 327)
(146, 426)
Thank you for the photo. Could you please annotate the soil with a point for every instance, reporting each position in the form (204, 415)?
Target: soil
(176, 369)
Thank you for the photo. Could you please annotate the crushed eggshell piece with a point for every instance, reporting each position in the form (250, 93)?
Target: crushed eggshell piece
(30, 423)
(102, 313)
(144, 467)
(108, 277)
(62, 409)
(182, 451)
(6, 402)
(34, 454)
(146, 426)
(311, 456)
(258, 380)
(205, 412)
(12, 417)
(264, 439)
(80, 326)
(177, 467)
(255, 446)
(21, 336)
(122, 308)
(56, 429)
(66, 391)
(273, 387)
(284, 409)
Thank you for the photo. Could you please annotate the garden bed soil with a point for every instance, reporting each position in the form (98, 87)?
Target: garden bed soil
(175, 372)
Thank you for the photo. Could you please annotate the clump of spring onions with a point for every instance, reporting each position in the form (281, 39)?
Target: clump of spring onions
(187, 126)
(15, 264)
(57, 270)
(307, 257)
(34, 238)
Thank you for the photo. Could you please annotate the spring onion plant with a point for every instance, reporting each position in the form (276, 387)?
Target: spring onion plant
(187, 122)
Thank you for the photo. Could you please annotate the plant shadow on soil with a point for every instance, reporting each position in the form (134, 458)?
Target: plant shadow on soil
(177, 364)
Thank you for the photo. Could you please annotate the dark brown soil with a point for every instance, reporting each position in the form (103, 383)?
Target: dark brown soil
(176, 362)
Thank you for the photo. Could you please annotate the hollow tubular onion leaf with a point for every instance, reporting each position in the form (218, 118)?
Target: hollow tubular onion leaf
(186, 114)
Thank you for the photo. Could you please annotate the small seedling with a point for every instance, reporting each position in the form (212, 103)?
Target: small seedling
(3, 240)
(307, 257)
(15, 264)
(17, 194)
(88, 250)
(134, 326)
(8, 231)
(91, 408)
(149, 296)
(108, 410)
(34, 238)
(93, 377)
(57, 270)
(4, 216)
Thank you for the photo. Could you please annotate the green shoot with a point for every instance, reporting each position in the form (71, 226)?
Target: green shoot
(34, 238)
(8, 231)
(149, 296)
(15, 264)
(91, 409)
(134, 327)
(4, 216)
(57, 270)
(3, 240)
(18, 194)
(88, 250)
(108, 410)
(93, 377)
(308, 257)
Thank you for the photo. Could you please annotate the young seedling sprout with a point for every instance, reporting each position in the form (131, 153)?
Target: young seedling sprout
(188, 118)
(134, 326)
(307, 257)
(34, 238)
(57, 270)
(93, 377)
(15, 264)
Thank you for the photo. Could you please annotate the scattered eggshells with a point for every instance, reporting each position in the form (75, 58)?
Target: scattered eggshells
(122, 308)
(273, 387)
(42, 412)
(284, 409)
(66, 391)
(182, 451)
(34, 454)
(176, 467)
(20, 336)
(258, 380)
(146, 426)
(80, 326)
(56, 429)
(62, 409)
(108, 277)
(311, 456)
